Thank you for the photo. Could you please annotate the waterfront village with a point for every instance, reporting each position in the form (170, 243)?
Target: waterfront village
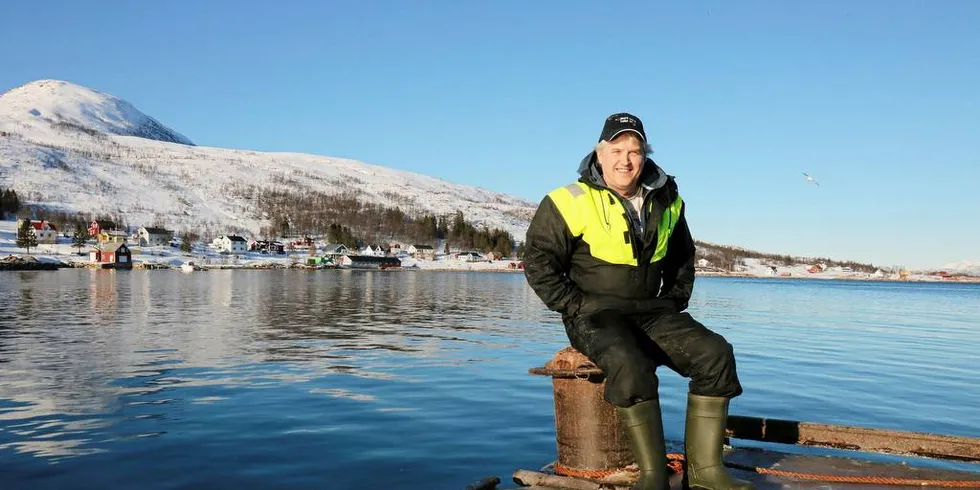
(105, 245)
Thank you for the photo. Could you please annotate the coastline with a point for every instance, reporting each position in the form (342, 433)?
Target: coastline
(61, 254)
(48, 263)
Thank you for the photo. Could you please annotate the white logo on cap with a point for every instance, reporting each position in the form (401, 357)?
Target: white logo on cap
(627, 119)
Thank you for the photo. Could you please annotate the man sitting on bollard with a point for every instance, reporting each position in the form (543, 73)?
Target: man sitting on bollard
(613, 254)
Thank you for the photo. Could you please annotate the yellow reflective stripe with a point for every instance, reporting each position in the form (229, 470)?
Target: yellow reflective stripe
(564, 199)
(600, 221)
(607, 241)
(598, 217)
(667, 223)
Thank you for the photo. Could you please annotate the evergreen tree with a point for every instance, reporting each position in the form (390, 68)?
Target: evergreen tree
(284, 227)
(337, 233)
(426, 228)
(25, 235)
(459, 226)
(9, 202)
(503, 245)
(442, 228)
(185, 244)
(80, 238)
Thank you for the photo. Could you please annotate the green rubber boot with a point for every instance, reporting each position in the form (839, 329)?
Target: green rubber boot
(645, 430)
(704, 436)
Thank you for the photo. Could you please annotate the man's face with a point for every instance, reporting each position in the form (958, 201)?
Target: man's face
(621, 161)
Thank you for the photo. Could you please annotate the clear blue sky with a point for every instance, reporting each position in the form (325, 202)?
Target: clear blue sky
(877, 99)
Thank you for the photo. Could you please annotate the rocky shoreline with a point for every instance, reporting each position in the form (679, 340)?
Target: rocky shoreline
(14, 263)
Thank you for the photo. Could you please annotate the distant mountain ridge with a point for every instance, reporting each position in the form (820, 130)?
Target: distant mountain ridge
(969, 267)
(78, 149)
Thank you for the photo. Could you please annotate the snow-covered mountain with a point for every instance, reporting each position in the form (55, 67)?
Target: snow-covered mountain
(79, 149)
(970, 267)
(47, 105)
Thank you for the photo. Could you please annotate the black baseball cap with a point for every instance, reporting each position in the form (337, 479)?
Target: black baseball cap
(617, 123)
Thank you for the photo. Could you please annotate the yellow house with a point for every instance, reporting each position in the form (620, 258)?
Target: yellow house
(112, 236)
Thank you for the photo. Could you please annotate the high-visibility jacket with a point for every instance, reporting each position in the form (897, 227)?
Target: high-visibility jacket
(584, 250)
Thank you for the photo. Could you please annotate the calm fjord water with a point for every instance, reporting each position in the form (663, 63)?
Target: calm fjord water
(414, 380)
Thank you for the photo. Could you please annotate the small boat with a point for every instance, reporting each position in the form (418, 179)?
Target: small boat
(190, 266)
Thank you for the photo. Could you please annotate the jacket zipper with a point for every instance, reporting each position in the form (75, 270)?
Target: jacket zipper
(630, 236)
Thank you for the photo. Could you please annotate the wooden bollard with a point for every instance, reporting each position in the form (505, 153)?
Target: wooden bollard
(588, 432)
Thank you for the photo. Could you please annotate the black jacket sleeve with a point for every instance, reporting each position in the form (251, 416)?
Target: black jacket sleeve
(678, 268)
(547, 255)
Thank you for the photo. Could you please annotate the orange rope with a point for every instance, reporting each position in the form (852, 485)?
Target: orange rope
(675, 462)
(588, 474)
(873, 480)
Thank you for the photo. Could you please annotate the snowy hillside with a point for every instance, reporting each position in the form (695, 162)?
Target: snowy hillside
(78, 149)
(963, 267)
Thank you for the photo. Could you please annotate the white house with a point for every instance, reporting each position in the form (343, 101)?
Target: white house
(422, 252)
(469, 257)
(230, 243)
(44, 232)
(373, 250)
(153, 237)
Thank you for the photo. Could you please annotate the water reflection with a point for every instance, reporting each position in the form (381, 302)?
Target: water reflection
(420, 373)
(104, 342)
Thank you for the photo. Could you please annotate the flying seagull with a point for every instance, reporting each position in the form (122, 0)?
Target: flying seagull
(811, 179)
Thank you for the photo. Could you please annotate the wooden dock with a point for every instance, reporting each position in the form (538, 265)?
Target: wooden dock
(793, 471)
(851, 465)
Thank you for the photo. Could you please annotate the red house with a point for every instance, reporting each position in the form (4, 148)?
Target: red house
(113, 256)
(44, 231)
(99, 225)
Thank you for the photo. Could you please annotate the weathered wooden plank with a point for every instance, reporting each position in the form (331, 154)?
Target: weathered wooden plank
(854, 438)
(534, 478)
(537, 479)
